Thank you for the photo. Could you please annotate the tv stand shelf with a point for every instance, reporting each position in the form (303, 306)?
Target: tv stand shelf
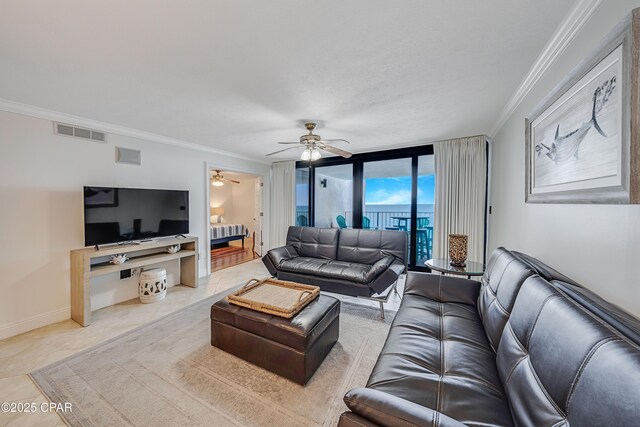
(140, 255)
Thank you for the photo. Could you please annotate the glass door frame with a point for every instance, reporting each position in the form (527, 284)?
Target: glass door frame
(358, 161)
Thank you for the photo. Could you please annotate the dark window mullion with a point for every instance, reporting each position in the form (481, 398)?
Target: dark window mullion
(312, 196)
(358, 196)
(414, 211)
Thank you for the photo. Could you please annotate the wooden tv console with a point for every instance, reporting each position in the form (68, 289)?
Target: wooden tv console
(86, 263)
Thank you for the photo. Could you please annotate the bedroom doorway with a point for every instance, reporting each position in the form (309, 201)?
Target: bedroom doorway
(235, 222)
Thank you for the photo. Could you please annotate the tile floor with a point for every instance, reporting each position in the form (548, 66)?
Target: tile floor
(32, 350)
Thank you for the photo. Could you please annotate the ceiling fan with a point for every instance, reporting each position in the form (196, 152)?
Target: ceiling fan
(218, 180)
(312, 145)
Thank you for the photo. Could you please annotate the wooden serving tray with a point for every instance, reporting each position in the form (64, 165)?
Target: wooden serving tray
(272, 296)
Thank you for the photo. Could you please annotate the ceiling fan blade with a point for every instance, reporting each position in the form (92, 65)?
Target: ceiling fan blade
(231, 180)
(336, 140)
(290, 142)
(335, 150)
(280, 151)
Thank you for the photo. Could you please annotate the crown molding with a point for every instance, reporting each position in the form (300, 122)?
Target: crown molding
(567, 30)
(43, 113)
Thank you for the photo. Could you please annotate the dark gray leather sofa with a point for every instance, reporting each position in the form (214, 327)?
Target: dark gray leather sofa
(526, 347)
(359, 263)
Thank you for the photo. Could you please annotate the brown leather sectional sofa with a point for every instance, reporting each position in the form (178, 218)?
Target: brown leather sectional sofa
(526, 346)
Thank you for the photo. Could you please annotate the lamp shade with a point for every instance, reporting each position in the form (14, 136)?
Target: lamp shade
(217, 211)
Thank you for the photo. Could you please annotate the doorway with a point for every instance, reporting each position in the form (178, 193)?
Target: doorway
(235, 218)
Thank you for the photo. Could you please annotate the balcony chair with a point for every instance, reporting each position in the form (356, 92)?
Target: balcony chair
(342, 222)
(424, 238)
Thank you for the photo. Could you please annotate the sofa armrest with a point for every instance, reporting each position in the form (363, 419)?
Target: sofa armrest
(388, 410)
(388, 277)
(442, 288)
(378, 268)
(282, 254)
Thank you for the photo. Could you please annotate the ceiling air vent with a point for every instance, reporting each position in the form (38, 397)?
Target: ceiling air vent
(83, 133)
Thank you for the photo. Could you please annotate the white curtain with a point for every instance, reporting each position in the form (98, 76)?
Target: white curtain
(283, 201)
(461, 173)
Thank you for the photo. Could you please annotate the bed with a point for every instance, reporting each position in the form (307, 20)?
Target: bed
(223, 233)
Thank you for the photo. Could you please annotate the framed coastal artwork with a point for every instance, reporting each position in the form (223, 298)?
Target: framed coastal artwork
(579, 144)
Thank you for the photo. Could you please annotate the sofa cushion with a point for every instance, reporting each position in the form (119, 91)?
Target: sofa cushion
(618, 318)
(543, 270)
(437, 355)
(328, 284)
(369, 246)
(359, 273)
(314, 242)
(561, 365)
(501, 282)
(439, 287)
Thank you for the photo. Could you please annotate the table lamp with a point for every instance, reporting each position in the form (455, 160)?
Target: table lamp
(217, 211)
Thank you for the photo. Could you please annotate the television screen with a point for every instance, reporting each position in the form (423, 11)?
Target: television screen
(122, 214)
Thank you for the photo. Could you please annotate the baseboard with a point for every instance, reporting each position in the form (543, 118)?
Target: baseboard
(34, 322)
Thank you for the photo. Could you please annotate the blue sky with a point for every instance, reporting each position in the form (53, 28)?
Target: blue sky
(387, 191)
(397, 190)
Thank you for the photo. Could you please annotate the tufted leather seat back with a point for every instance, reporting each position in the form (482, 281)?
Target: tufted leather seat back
(560, 365)
(370, 246)
(503, 277)
(314, 242)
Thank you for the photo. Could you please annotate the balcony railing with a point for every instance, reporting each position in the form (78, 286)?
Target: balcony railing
(378, 220)
(385, 220)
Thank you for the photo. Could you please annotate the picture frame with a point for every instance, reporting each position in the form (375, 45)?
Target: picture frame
(582, 143)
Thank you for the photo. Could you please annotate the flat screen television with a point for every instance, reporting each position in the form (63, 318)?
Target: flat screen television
(113, 215)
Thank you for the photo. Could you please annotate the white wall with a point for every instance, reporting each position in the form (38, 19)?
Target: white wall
(333, 200)
(41, 180)
(597, 245)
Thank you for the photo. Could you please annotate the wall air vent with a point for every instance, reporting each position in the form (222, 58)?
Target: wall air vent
(128, 156)
(83, 133)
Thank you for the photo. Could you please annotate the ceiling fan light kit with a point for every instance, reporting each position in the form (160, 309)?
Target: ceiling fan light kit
(312, 145)
(310, 154)
(217, 180)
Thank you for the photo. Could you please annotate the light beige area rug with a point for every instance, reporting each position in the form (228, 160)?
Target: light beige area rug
(167, 374)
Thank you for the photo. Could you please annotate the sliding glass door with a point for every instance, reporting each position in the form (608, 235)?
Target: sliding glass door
(386, 202)
(389, 190)
(397, 196)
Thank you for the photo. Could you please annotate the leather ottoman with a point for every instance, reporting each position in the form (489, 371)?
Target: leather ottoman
(293, 348)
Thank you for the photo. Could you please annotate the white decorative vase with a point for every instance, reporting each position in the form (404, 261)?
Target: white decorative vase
(153, 285)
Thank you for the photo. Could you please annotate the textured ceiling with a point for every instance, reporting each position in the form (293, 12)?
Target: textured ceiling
(241, 75)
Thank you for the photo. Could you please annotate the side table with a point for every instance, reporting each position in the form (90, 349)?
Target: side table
(443, 265)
